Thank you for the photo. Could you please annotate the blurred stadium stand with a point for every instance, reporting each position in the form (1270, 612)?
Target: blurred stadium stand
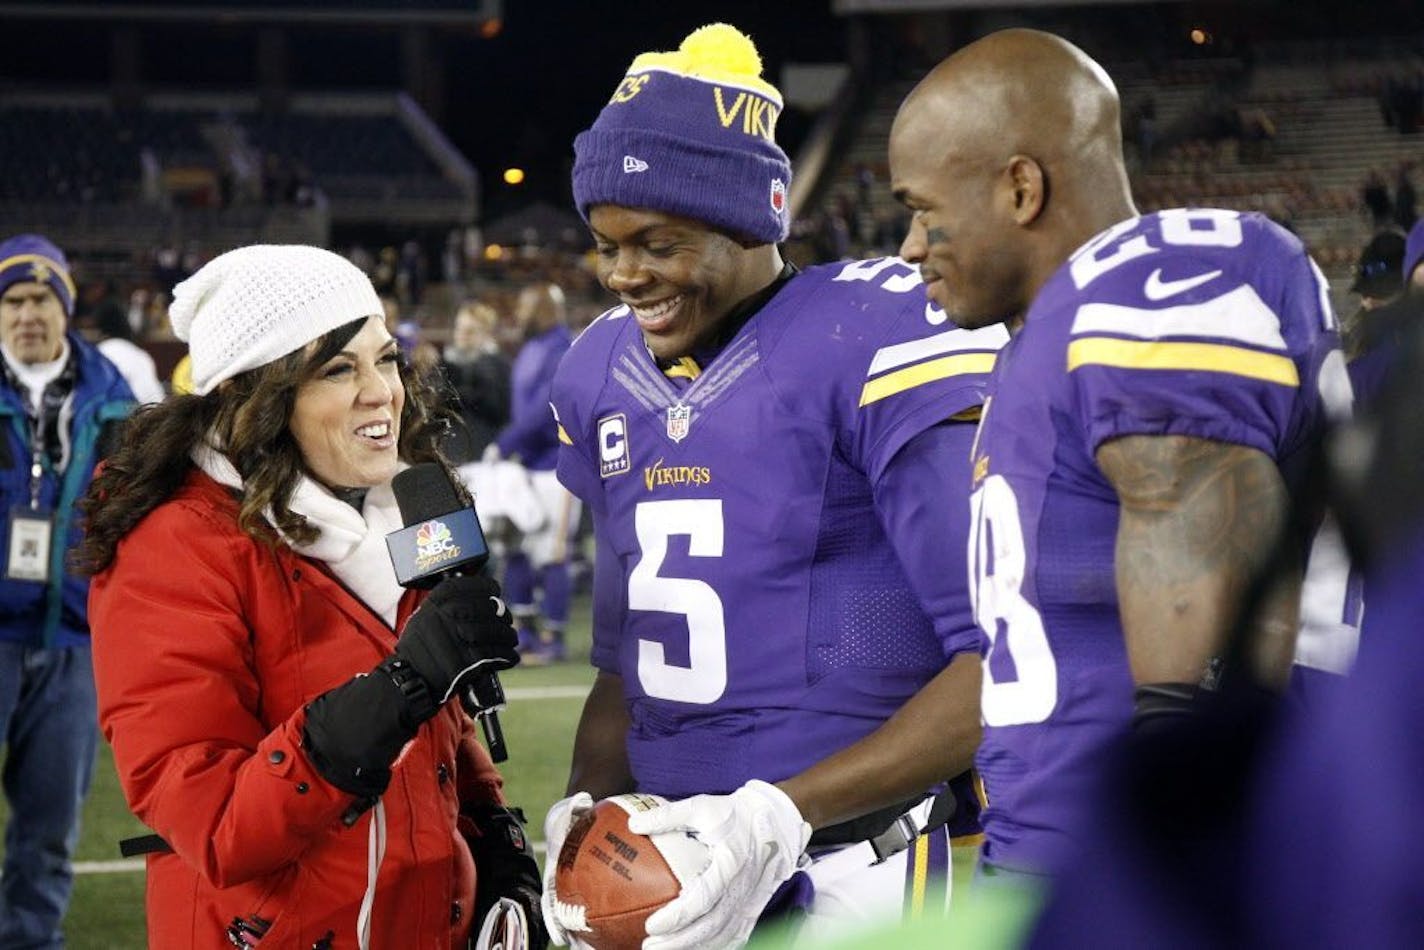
(1287, 127)
(221, 172)
(1280, 113)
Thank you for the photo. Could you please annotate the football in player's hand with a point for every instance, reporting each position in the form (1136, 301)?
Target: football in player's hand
(609, 880)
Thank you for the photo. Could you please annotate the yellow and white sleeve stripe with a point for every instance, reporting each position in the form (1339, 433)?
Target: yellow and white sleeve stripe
(903, 366)
(1236, 333)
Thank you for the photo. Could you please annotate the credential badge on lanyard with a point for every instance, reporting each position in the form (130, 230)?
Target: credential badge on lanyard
(31, 529)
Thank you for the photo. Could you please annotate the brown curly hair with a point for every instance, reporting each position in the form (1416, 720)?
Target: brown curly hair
(249, 415)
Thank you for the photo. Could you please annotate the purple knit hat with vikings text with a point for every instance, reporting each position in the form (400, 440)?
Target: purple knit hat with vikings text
(691, 133)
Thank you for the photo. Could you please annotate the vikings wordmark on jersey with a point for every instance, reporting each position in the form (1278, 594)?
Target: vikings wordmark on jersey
(1201, 322)
(748, 590)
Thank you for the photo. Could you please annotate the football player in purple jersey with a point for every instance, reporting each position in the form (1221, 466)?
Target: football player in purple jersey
(776, 462)
(1133, 468)
(1307, 831)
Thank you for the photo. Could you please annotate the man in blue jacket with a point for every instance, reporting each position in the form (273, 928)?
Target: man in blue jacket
(59, 399)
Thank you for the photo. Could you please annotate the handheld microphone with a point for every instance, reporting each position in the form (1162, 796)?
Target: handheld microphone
(442, 537)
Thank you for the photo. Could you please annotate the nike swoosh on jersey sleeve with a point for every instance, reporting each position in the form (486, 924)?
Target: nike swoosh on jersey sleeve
(1227, 334)
(1158, 289)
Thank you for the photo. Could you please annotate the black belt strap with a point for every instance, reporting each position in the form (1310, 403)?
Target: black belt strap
(863, 828)
(144, 844)
(902, 831)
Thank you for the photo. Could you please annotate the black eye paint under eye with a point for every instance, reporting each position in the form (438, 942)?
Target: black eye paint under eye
(936, 236)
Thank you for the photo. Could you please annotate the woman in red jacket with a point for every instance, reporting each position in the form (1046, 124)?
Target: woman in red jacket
(309, 783)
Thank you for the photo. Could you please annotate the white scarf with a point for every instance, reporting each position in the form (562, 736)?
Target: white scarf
(352, 544)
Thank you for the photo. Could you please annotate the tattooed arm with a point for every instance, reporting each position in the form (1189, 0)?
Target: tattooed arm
(1199, 520)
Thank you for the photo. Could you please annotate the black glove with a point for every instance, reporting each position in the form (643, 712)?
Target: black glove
(461, 627)
(355, 731)
(504, 865)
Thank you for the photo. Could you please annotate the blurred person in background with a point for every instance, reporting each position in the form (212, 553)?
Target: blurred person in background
(60, 400)
(1371, 334)
(1412, 274)
(138, 312)
(479, 374)
(1406, 199)
(1374, 198)
(536, 574)
(278, 706)
(1378, 279)
(410, 274)
(117, 344)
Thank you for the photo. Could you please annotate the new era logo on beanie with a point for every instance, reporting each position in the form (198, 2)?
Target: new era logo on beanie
(256, 304)
(692, 133)
(29, 257)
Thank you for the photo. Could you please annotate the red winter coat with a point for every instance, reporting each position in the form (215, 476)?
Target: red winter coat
(207, 646)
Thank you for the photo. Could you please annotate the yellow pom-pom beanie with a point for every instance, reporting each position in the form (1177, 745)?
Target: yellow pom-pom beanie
(691, 132)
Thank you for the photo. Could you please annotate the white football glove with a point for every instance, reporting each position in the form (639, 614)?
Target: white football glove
(556, 828)
(755, 837)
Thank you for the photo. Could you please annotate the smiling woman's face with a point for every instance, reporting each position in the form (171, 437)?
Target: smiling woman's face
(346, 420)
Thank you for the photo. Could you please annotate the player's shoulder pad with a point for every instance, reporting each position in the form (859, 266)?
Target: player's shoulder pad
(607, 326)
(583, 369)
(871, 326)
(593, 346)
(857, 303)
(1174, 257)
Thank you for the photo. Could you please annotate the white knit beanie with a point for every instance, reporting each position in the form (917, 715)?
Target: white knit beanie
(256, 304)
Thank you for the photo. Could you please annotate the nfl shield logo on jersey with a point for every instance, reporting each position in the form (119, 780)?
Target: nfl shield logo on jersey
(679, 420)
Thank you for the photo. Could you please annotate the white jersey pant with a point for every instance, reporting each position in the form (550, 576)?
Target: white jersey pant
(852, 892)
(550, 542)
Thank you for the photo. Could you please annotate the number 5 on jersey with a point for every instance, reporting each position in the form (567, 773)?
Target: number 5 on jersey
(704, 679)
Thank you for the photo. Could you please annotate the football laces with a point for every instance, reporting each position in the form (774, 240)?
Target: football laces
(571, 916)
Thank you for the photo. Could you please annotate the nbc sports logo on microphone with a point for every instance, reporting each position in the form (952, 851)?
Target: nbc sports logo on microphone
(434, 544)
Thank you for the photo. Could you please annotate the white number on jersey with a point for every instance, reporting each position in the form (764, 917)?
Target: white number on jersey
(997, 561)
(704, 680)
(894, 274)
(1198, 227)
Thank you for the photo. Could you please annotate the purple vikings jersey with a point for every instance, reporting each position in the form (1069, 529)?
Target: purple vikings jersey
(529, 433)
(765, 575)
(1201, 323)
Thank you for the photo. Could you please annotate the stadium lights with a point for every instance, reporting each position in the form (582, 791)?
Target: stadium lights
(514, 176)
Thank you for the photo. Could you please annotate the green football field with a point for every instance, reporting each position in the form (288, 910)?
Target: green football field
(544, 704)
